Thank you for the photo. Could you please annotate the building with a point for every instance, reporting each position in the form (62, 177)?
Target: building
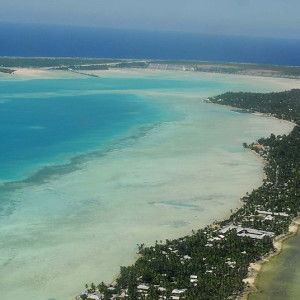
(269, 213)
(247, 232)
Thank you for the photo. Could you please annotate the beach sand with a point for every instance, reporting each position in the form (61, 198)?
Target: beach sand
(40, 73)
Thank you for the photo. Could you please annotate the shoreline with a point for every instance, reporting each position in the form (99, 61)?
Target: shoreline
(255, 268)
(234, 109)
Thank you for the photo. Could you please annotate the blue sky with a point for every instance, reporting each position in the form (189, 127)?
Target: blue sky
(270, 18)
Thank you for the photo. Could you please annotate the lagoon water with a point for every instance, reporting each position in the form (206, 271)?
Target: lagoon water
(89, 167)
(280, 277)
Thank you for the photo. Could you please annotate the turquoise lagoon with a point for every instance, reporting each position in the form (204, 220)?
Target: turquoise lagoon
(89, 167)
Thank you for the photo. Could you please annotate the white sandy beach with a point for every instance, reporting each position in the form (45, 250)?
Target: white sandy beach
(40, 73)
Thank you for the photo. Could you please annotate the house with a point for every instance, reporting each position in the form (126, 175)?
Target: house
(178, 291)
(258, 146)
(123, 293)
(93, 297)
(269, 218)
(269, 213)
(142, 288)
(247, 232)
(187, 257)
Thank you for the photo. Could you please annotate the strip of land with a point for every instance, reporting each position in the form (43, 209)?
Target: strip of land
(96, 64)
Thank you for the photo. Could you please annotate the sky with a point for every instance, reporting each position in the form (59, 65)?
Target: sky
(267, 18)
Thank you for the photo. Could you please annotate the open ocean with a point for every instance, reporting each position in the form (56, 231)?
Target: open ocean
(63, 41)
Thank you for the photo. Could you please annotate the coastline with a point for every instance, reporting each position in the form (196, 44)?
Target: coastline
(256, 267)
(234, 109)
(272, 117)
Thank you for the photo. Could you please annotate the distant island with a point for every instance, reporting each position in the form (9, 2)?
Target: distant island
(213, 262)
(7, 65)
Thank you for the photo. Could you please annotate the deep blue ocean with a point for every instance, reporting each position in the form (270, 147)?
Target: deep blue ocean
(64, 41)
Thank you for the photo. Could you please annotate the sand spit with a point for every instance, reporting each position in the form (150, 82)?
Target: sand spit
(41, 73)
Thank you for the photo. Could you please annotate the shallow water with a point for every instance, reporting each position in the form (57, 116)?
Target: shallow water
(279, 278)
(177, 165)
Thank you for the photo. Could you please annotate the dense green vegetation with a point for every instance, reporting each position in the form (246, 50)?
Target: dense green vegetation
(280, 192)
(133, 64)
(236, 68)
(106, 66)
(70, 63)
(6, 70)
(251, 69)
(211, 265)
(46, 62)
(283, 105)
(83, 67)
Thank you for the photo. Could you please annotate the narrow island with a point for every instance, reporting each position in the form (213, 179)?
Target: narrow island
(88, 66)
(215, 262)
